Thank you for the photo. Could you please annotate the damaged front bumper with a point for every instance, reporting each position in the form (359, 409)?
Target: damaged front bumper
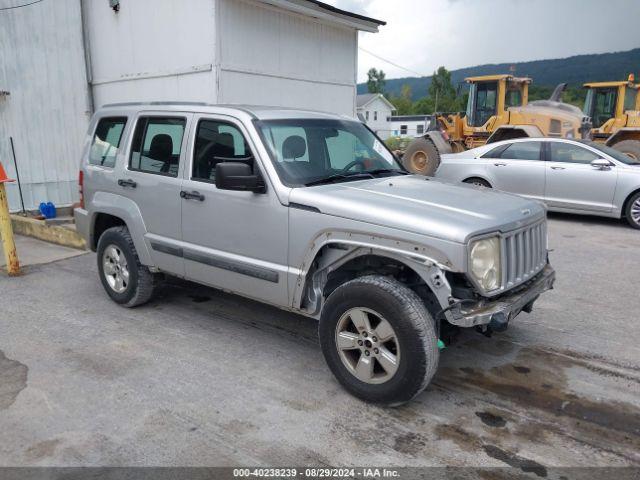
(499, 312)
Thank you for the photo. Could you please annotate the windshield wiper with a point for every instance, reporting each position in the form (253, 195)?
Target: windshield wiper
(381, 171)
(340, 177)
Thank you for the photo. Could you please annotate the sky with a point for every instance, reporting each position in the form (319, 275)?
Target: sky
(422, 35)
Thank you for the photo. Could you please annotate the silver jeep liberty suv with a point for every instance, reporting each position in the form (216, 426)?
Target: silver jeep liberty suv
(309, 212)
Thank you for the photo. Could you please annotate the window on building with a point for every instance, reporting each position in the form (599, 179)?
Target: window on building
(403, 129)
(156, 145)
(375, 116)
(367, 116)
(106, 141)
(218, 142)
(420, 129)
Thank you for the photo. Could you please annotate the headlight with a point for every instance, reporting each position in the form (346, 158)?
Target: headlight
(485, 263)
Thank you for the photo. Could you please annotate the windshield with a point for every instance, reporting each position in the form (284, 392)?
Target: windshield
(306, 151)
(612, 152)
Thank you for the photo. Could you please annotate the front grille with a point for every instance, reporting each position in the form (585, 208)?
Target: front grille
(525, 254)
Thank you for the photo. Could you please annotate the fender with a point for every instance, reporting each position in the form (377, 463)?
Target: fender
(128, 211)
(428, 263)
(441, 144)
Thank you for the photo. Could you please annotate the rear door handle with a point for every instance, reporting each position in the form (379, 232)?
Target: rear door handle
(127, 183)
(192, 196)
(558, 168)
(500, 164)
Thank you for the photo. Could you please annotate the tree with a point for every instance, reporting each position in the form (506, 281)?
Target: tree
(442, 91)
(376, 81)
(403, 103)
(424, 106)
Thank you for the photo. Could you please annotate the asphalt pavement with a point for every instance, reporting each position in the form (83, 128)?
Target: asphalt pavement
(201, 377)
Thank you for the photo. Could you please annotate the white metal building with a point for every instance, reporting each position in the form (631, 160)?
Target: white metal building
(59, 59)
(374, 109)
(409, 125)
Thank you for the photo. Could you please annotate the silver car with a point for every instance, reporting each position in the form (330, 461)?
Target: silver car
(311, 213)
(573, 176)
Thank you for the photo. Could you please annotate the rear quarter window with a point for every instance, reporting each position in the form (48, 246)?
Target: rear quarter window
(106, 141)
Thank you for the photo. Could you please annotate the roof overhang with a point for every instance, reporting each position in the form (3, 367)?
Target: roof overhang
(607, 84)
(381, 97)
(325, 12)
(494, 78)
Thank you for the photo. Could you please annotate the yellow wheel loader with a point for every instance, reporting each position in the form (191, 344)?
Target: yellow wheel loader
(614, 108)
(498, 109)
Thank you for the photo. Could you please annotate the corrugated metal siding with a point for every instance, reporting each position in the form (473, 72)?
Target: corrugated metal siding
(274, 57)
(42, 65)
(152, 50)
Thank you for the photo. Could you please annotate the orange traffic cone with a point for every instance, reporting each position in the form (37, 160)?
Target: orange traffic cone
(3, 175)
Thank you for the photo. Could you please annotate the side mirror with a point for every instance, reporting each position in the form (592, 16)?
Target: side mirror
(237, 176)
(601, 164)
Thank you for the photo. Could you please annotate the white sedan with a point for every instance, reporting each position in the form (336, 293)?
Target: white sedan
(573, 176)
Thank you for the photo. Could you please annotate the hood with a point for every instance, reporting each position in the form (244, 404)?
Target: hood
(423, 205)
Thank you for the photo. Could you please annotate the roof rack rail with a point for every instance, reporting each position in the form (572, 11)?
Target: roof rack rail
(133, 104)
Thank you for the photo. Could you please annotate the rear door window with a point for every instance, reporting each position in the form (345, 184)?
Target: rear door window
(106, 141)
(156, 146)
(522, 151)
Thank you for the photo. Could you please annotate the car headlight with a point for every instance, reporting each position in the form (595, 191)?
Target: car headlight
(485, 258)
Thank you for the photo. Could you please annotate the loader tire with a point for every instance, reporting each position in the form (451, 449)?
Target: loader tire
(629, 147)
(422, 157)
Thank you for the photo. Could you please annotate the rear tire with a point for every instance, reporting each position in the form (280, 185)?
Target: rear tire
(125, 279)
(479, 182)
(396, 330)
(630, 148)
(422, 157)
(632, 211)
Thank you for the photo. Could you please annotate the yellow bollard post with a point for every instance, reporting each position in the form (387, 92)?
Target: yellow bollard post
(6, 231)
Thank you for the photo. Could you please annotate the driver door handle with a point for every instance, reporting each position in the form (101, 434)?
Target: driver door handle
(192, 196)
(127, 183)
(500, 164)
(558, 168)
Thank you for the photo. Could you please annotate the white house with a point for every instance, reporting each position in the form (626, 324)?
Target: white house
(374, 109)
(61, 59)
(409, 125)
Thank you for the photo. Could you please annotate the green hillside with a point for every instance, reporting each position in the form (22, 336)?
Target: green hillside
(545, 73)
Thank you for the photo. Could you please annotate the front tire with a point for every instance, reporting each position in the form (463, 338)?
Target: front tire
(633, 211)
(421, 157)
(124, 278)
(379, 340)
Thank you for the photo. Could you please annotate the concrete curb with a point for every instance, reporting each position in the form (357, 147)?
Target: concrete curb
(57, 234)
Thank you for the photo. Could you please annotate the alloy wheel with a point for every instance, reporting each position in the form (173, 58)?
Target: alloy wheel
(367, 345)
(635, 211)
(115, 268)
